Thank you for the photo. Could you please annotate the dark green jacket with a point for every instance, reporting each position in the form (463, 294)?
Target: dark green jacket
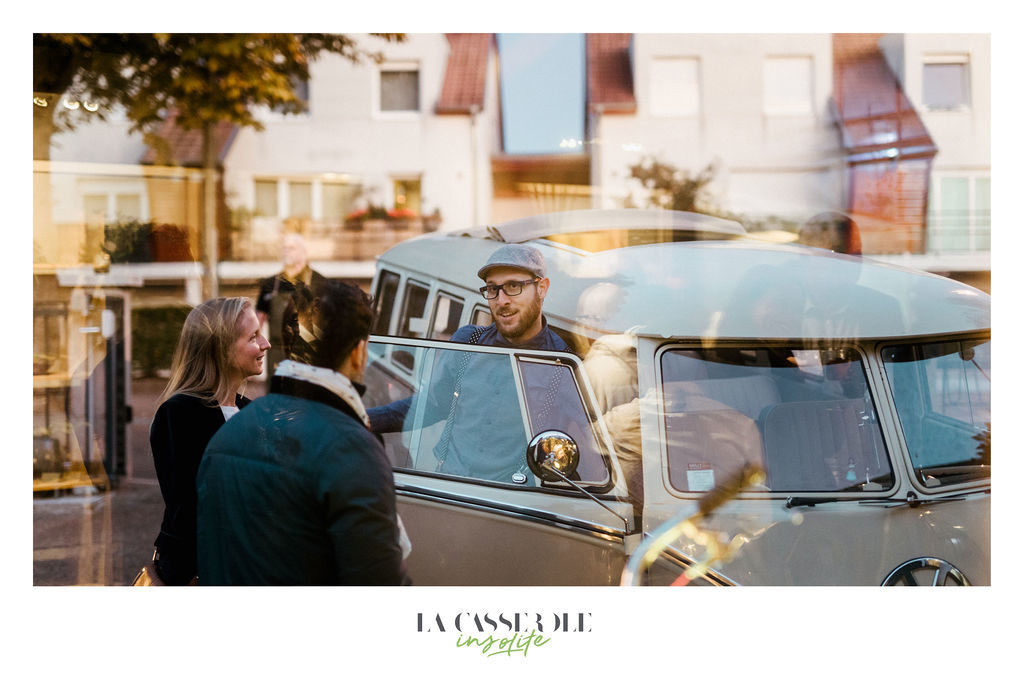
(297, 492)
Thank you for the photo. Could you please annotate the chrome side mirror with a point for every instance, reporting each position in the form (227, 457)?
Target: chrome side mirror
(553, 456)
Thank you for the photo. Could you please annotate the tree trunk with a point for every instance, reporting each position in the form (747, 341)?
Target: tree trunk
(210, 281)
(42, 124)
(42, 194)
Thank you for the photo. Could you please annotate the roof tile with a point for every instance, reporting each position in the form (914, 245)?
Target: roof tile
(466, 74)
(610, 72)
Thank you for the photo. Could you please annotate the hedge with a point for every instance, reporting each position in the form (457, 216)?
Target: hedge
(155, 333)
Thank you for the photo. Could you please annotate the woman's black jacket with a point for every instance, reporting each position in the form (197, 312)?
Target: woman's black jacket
(181, 429)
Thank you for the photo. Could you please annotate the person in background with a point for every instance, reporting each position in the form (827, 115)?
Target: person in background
(296, 490)
(275, 292)
(220, 346)
(831, 230)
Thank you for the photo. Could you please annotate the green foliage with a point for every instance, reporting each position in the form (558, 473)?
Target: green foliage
(203, 78)
(135, 241)
(155, 333)
(128, 242)
(377, 211)
(671, 188)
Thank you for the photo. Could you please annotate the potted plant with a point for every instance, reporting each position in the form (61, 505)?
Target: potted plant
(401, 218)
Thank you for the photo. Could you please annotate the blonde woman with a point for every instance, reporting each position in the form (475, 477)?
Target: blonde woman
(220, 347)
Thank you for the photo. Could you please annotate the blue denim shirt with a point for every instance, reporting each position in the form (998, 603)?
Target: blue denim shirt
(487, 440)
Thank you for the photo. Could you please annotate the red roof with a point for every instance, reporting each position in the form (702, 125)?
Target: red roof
(610, 73)
(875, 115)
(185, 147)
(466, 74)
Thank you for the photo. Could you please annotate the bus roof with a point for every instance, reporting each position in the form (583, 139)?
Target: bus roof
(734, 287)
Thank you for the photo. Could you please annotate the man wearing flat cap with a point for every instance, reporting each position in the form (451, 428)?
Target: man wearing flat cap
(470, 392)
(515, 285)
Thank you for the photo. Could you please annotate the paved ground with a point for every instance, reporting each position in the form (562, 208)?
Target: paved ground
(84, 536)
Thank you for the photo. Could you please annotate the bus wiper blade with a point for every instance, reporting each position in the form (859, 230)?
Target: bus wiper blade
(912, 500)
(809, 501)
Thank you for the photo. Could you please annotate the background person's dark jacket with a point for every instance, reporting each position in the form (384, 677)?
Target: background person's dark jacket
(272, 299)
(296, 491)
(178, 436)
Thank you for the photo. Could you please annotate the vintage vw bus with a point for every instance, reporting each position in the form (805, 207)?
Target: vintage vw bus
(859, 390)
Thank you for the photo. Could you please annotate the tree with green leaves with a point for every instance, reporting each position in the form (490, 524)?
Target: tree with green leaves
(671, 188)
(201, 79)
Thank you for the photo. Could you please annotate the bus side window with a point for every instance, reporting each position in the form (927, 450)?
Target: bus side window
(447, 314)
(481, 316)
(384, 302)
(413, 322)
(414, 308)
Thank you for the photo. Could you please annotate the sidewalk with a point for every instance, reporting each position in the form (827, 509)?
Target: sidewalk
(83, 536)
(94, 538)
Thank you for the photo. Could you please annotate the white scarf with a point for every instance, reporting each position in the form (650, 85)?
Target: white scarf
(335, 382)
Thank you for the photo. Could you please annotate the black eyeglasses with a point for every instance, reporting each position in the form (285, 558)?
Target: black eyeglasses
(511, 288)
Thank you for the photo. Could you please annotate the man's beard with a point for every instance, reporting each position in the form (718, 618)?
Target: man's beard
(528, 315)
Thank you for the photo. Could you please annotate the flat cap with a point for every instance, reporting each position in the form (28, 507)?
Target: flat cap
(518, 256)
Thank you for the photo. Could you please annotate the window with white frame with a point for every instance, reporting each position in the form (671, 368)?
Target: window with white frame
(945, 82)
(399, 88)
(960, 213)
(788, 85)
(337, 199)
(327, 198)
(102, 207)
(675, 86)
(265, 198)
(300, 199)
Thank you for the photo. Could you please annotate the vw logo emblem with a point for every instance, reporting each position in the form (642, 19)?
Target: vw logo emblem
(926, 571)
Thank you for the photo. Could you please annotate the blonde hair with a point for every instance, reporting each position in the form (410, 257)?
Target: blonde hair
(202, 359)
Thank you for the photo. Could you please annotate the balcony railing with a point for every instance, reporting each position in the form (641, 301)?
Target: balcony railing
(953, 233)
(361, 240)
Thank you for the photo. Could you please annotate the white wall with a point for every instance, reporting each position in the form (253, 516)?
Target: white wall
(963, 136)
(768, 164)
(343, 133)
(105, 142)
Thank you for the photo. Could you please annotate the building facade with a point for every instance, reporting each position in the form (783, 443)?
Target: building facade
(890, 129)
